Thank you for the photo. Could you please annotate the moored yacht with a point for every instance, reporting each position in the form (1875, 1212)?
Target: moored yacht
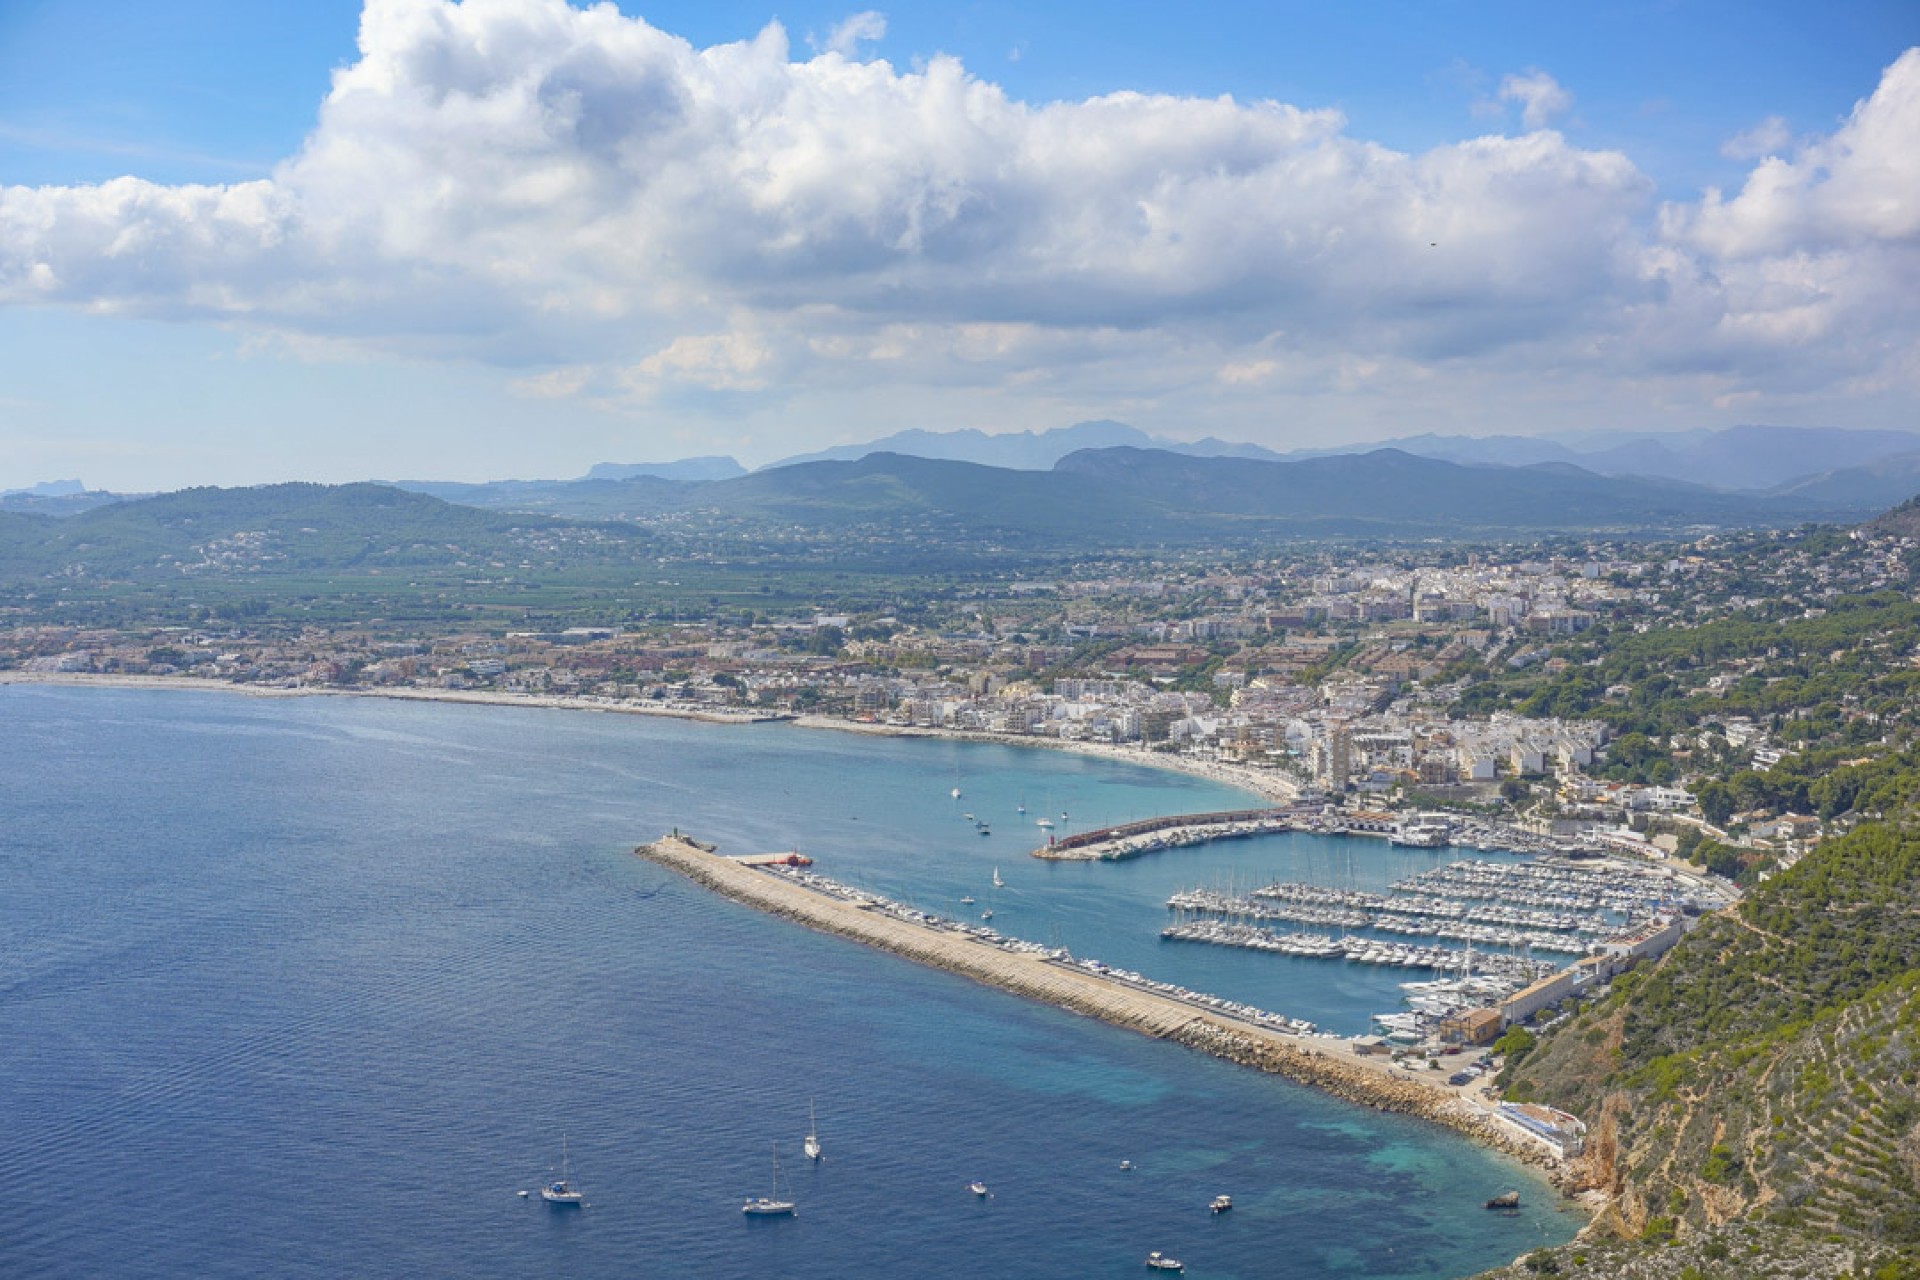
(770, 1206)
(562, 1191)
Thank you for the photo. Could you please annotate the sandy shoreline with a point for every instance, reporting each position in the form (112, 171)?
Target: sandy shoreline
(1267, 785)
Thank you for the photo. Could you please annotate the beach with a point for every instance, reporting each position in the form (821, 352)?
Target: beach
(1268, 785)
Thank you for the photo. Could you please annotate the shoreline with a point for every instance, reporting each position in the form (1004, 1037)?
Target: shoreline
(1318, 1061)
(1268, 786)
(1261, 783)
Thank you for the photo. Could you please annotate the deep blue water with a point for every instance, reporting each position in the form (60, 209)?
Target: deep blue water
(303, 988)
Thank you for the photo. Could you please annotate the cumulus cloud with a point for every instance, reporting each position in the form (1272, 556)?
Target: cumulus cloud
(1540, 97)
(846, 38)
(610, 211)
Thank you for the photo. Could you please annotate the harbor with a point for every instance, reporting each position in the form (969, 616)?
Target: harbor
(1266, 1040)
(1477, 924)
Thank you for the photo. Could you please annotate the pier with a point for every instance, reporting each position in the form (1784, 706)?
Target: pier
(1088, 988)
(1131, 839)
(1125, 840)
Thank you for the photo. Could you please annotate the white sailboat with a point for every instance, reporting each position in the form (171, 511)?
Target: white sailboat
(562, 1191)
(770, 1206)
(998, 883)
(812, 1145)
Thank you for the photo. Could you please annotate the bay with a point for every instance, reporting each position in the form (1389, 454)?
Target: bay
(316, 986)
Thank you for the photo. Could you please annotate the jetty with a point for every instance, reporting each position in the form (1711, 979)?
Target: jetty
(1277, 1046)
(1150, 835)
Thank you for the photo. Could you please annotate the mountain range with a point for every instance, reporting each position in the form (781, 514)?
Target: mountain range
(883, 505)
(1106, 483)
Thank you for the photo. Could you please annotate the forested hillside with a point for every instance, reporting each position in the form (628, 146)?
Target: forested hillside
(1752, 1098)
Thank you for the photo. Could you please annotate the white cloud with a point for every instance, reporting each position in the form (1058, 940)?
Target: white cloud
(554, 384)
(715, 361)
(605, 210)
(1770, 137)
(1540, 97)
(865, 26)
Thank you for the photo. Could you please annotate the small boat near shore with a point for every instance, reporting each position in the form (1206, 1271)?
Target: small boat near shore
(1158, 1261)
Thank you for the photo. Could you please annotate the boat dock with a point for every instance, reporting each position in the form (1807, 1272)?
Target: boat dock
(1178, 831)
(1264, 1041)
(1148, 835)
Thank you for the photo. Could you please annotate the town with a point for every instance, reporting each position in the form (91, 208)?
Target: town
(1385, 681)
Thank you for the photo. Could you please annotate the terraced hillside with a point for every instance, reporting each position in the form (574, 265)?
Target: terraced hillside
(1753, 1098)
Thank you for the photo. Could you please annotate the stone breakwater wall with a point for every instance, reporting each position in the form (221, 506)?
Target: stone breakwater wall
(1316, 1061)
(1363, 1085)
(1025, 975)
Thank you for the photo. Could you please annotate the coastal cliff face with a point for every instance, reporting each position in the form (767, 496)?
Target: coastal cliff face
(1752, 1100)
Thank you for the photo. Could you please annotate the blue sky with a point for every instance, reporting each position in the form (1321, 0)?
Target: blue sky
(1474, 218)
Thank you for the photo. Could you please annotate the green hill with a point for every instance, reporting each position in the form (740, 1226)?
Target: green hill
(1752, 1098)
(282, 529)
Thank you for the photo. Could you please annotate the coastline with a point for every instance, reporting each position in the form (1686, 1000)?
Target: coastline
(1323, 1062)
(1267, 785)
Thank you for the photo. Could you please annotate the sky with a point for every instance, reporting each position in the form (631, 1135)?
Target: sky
(244, 241)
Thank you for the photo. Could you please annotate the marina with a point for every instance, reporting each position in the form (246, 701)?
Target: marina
(1258, 1038)
(1481, 922)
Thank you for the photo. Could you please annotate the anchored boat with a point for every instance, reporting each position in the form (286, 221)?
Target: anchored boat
(770, 1206)
(562, 1191)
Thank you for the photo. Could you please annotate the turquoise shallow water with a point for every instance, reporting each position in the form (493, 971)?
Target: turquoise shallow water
(314, 987)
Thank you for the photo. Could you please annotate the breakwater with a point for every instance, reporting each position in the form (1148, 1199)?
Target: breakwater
(1324, 1062)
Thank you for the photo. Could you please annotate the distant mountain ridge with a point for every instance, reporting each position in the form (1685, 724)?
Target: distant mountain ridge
(1022, 450)
(1745, 458)
(1811, 473)
(685, 471)
(1129, 497)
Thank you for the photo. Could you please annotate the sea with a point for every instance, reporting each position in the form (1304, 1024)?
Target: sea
(298, 987)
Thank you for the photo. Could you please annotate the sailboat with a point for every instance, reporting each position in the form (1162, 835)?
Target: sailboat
(770, 1206)
(563, 1192)
(812, 1145)
(998, 883)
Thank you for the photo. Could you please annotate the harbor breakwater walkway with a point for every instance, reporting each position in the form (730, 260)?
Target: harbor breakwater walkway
(1324, 1062)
